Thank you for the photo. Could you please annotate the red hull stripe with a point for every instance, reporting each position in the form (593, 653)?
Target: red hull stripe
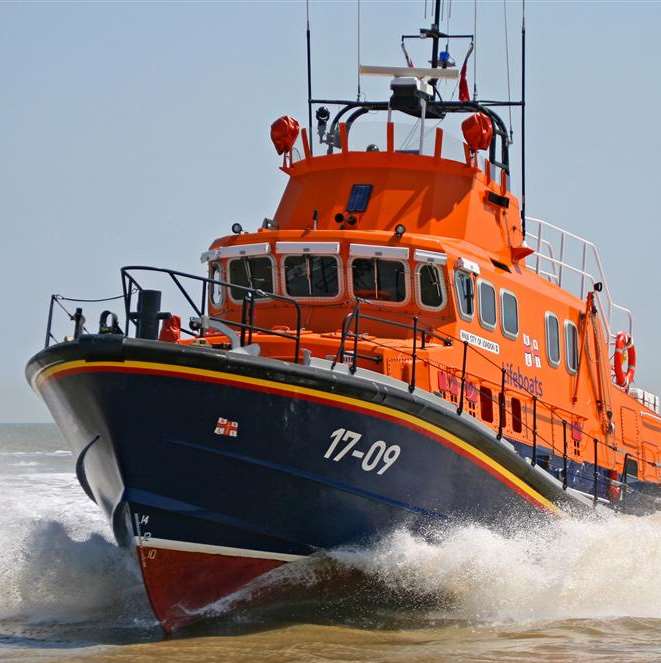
(183, 586)
(427, 429)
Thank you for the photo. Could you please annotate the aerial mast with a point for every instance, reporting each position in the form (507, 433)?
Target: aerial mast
(435, 30)
(523, 118)
(309, 62)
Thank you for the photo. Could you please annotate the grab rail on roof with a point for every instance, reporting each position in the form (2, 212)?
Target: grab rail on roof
(589, 268)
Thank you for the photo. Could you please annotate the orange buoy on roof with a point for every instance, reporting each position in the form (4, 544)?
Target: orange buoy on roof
(624, 344)
(478, 131)
(284, 132)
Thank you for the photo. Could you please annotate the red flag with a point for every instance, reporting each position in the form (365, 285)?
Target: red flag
(464, 94)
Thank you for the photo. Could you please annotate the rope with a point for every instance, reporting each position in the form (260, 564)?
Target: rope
(90, 301)
(507, 61)
(71, 315)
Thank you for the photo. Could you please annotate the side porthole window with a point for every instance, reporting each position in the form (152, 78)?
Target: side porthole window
(250, 273)
(552, 340)
(378, 279)
(631, 468)
(311, 276)
(571, 347)
(517, 422)
(431, 286)
(486, 404)
(215, 289)
(487, 304)
(509, 314)
(463, 283)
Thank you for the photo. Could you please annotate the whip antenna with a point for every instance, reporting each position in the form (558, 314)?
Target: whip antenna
(523, 118)
(358, 39)
(307, 35)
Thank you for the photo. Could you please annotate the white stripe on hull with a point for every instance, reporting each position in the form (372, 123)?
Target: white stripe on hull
(187, 546)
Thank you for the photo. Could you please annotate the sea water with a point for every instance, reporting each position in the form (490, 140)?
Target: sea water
(573, 590)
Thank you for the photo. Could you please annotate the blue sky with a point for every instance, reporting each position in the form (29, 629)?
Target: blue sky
(138, 132)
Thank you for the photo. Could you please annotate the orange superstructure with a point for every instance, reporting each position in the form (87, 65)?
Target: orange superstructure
(461, 226)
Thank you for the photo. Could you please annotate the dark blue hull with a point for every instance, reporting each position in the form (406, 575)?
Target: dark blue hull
(201, 452)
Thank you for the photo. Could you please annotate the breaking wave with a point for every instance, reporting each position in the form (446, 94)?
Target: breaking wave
(57, 561)
(570, 569)
(58, 564)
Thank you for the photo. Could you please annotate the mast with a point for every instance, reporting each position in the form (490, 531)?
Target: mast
(307, 36)
(434, 41)
(523, 118)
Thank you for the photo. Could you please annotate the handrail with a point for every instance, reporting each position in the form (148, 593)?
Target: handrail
(247, 324)
(76, 317)
(561, 265)
(355, 315)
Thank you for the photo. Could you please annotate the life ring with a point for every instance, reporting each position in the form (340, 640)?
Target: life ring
(624, 344)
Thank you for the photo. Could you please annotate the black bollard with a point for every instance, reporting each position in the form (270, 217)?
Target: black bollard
(147, 315)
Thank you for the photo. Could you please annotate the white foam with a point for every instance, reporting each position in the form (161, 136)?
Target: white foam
(566, 570)
(570, 569)
(58, 563)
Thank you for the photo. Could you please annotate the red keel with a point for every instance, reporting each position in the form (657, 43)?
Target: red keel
(180, 584)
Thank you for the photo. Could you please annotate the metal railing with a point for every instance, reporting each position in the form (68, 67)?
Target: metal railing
(246, 325)
(77, 316)
(351, 332)
(553, 262)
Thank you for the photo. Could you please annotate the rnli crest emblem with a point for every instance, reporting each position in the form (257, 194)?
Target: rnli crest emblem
(226, 428)
(531, 354)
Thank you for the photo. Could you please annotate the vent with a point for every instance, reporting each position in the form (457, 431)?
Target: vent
(500, 265)
(495, 199)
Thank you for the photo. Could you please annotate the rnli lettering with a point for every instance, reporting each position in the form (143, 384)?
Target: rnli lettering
(343, 443)
(479, 342)
(514, 377)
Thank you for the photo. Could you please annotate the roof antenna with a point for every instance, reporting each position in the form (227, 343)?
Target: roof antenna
(307, 35)
(435, 28)
(523, 119)
(358, 11)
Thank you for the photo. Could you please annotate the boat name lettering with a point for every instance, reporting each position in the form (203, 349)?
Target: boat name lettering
(479, 342)
(516, 378)
(378, 452)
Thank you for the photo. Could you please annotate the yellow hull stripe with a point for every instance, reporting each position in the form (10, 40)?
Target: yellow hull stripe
(47, 373)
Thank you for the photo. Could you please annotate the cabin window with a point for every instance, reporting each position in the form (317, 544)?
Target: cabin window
(517, 420)
(215, 289)
(487, 304)
(509, 314)
(250, 273)
(631, 468)
(378, 279)
(486, 404)
(571, 346)
(552, 339)
(311, 276)
(463, 283)
(432, 291)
